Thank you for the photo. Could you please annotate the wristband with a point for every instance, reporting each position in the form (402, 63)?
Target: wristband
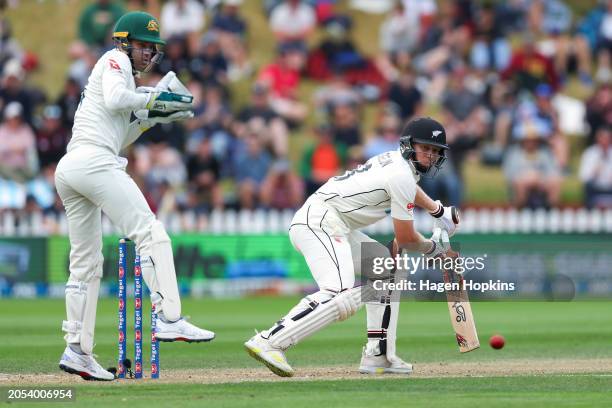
(438, 213)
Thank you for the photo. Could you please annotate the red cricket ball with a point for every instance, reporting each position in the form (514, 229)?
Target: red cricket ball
(497, 341)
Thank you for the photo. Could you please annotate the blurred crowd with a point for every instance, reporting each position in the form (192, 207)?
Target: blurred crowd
(523, 86)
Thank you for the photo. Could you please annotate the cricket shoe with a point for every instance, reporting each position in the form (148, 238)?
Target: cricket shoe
(84, 365)
(274, 358)
(380, 364)
(181, 330)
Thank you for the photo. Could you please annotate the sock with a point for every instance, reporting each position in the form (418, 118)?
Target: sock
(161, 316)
(76, 347)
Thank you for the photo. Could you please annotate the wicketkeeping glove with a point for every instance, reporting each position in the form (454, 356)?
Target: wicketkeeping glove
(162, 117)
(162, 101)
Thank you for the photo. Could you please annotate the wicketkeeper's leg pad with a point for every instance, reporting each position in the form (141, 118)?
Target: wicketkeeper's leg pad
(159, 273)
(81, 304)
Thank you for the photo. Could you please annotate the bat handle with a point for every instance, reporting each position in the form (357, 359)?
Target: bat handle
(436, 234)
(444, 237)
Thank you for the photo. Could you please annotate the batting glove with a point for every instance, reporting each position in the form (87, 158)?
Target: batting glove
(446, 218)
(437, 250)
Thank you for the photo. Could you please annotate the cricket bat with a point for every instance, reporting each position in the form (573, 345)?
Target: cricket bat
(459, 306)
(461, 315)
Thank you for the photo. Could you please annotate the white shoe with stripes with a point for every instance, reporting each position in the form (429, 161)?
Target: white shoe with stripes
(274, 358)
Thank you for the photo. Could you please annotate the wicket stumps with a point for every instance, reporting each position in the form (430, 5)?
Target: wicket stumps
(122, 315)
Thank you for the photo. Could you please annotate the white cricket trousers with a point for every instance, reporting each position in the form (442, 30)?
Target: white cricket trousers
(331, 249)
(92, 179)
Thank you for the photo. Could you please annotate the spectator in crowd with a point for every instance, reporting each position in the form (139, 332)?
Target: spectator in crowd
(599, 110)
(512, 15)
(204, 173)
(323, 160)
(538, 115)
(596, 170)
(446, 186)
(547, 112)
(399, 33)
(336, 52)
(528, 67)
(259, 117)
(501, 103)
(552, 19)
(282, 77)
(231, 27)
(183, 18)
(532, 172)
(18, 158)
(406, 96)
(97, 21)
(69, 100)
(456, 59)
(490, 49)
(292, 21)
(209, 65)
(346, 124)
(83, 60)
(443, 45)
(465, 117)
(13, 89)
(387, 133)
(595, 33)
(21, 185)
(51, 137)
(336, 91)
(213, 119)
(251, 165)
(9, 47)
(229, 21)
(163, 171)
(282, 189)
(175, 57)
(150, 6)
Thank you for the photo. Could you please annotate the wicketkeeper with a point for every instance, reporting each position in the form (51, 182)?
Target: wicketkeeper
(326, 231)
(91, 179)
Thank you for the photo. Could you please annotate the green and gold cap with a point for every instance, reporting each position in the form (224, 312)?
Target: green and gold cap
(138, 25)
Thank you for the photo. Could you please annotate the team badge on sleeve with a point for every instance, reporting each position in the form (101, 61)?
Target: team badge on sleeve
(410, 206)
(114, 65)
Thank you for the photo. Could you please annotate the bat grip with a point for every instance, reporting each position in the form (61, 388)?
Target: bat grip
(444, 237)
(436, 234)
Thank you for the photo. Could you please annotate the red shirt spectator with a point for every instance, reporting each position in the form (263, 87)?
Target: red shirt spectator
(283, 81)
(529, 68)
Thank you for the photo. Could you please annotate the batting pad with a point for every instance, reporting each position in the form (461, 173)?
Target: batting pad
(340, 307)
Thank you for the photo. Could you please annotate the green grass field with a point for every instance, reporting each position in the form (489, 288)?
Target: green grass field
(557, 354)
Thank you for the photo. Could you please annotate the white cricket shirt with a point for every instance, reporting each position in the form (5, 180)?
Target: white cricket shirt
(366, 194)
(103, 116)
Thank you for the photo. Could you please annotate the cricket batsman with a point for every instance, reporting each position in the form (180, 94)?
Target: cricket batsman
(325, 231)
(91, 178)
